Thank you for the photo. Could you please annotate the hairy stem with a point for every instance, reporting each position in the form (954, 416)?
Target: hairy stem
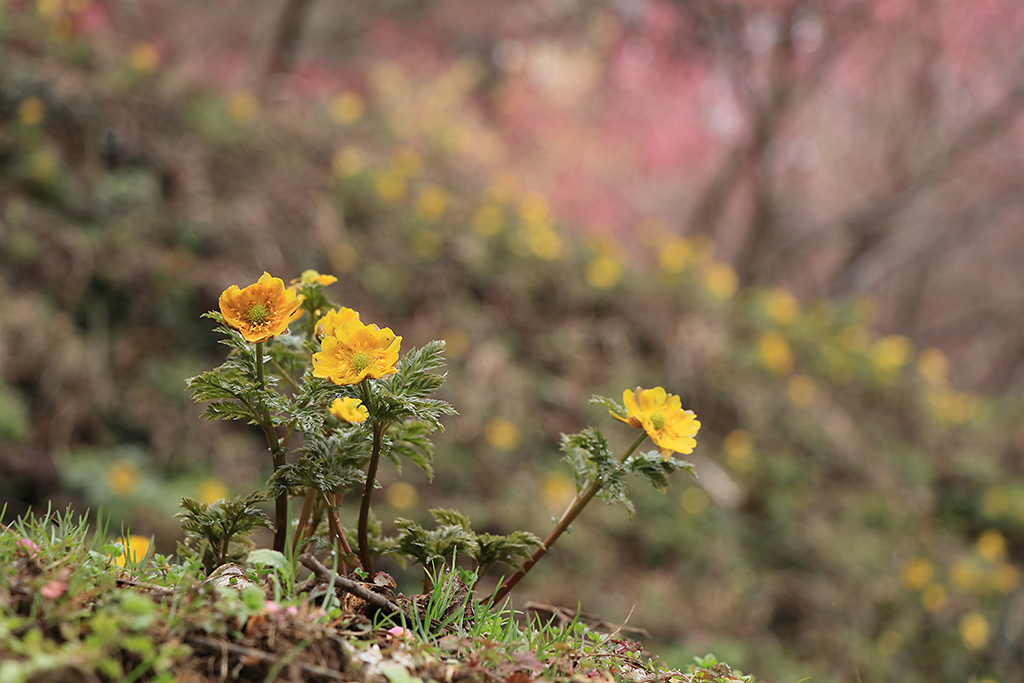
(571, 513)
(364, 506)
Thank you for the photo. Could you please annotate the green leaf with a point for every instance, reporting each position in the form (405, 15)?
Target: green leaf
(614, 407)
(267, 558)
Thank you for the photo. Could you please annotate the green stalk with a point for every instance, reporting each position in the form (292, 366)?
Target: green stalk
(277, 452)
(364, 506)
(567, 518)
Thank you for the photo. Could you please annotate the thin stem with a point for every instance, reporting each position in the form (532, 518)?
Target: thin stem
(364, 506)
(277, 452)
(567, 518)
(301, 532)
(287, 378)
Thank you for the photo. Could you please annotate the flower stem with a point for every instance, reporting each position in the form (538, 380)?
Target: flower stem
(364, 506)
(277, 452)
(567, 518)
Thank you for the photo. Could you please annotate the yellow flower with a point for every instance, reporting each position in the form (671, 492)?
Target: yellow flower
(334, 321)
(31, 111)
(661, 415)
(502, 434)
(974, 630)
(211, 490)
(781, 306)
(355, 352)
(774, 352)
(432, 203)
(720, 280)
(349, 410)
(122, 478)
(346, 108)
(144, 57)
(917, 573)
(135, 549)
(312, 277)
(603, 272)
(260, 311)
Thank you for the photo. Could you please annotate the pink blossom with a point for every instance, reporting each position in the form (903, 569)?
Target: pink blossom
(27, 547)
(400, 632)
(53, 590)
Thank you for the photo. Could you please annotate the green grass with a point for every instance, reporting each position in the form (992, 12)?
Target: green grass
(68, 611)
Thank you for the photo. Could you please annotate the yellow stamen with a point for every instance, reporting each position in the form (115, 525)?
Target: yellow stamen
(658, 420)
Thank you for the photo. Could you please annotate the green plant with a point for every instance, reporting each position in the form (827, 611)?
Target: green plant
(344, 387)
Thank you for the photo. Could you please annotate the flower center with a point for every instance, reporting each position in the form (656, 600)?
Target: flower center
(658, 421)
(360, 361)
(257, 314)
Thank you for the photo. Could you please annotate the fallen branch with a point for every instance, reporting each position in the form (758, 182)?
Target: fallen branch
(353, 587)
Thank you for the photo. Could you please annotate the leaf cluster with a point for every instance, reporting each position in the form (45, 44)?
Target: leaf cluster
(453, 536)
(591, 461)
(219, 532)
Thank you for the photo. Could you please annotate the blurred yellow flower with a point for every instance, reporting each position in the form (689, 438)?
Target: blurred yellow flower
(261, 310)
(801, 390)
(354, 352)
(390, 186)
(558, 491)
(31, 111)
(144, 57)
(544, 243)
(917, 573)
(347, 162)
(534, 211)
(974, 630)
(349, 410)
(427, 244)
(774, 353)
(694, 500)
(211, 490)
(343, 257)
(312, 277)
(675, 254)
(891, 353)
(502, 434)
(966, 575)
(402, 495)
(134, 550)
(991, 546)
(739, 451)
(488, 220)
(122, 478)
(661, 415)
(933, 597)
(603, 272)
(242, 106)
(432, 203)
(781, 306)
(346, 108)
(720, 280)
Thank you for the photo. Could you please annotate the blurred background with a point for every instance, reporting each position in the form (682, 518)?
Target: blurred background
(803, 216)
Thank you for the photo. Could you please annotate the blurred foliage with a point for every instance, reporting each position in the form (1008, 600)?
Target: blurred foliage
(854, 516)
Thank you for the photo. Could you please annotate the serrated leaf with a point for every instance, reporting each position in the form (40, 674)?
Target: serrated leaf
(613, 406)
